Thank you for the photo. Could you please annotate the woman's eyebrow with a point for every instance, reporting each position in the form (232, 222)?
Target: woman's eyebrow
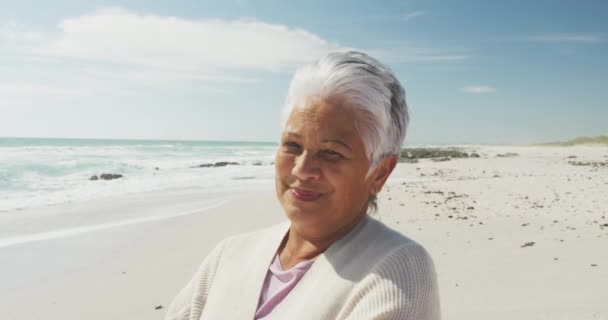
(340, 142)
(290, 133)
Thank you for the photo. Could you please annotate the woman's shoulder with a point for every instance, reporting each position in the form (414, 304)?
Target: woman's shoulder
(395, 259)
(381, 237)
(395, 276)
(388, 248)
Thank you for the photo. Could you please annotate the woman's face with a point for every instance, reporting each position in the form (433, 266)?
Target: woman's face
(321, 167)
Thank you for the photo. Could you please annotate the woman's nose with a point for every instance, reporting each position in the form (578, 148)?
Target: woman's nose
(306, 167)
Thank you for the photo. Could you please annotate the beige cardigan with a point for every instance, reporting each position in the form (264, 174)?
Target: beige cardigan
(371, 273)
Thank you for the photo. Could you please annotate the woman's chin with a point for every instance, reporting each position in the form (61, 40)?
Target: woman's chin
(298, 210)
(306, 205)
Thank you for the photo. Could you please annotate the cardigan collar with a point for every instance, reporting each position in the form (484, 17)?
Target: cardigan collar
(323, 263)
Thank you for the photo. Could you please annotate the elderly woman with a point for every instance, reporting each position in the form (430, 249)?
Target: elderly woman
(344, 122)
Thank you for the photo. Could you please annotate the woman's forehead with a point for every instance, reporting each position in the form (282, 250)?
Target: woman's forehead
(322, 119)
(323, 130)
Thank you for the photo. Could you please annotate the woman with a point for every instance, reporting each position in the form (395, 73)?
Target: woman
(344, 122)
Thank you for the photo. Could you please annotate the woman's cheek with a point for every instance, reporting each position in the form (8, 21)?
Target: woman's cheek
(284, 163)
(337, 170)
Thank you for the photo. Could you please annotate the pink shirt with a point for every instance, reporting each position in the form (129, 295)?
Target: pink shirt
(278, 284)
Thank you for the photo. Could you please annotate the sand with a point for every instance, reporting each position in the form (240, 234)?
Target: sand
(522, 237)
(477, 215)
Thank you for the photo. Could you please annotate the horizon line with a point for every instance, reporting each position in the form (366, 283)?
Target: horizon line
(405, 145)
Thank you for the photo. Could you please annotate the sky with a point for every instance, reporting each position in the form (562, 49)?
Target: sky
(482, 72)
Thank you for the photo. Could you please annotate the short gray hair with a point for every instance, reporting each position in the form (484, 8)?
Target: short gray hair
(368, 86)
(364, 83)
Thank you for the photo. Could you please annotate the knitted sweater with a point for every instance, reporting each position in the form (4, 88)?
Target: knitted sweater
(371, 273)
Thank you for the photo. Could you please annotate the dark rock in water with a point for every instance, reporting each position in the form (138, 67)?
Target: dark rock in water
(507, 155)
(106, 176)
(441, 159)
(158, 307)
(571, 157)
(528, 244)
(225, 163)
(257, 163)
(156, 168)
(217, 164)
(204, 165)
(243, 178)
(429, 153)
(474, 155)
(110, 176)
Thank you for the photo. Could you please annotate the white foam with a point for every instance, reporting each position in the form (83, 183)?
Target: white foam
(38, 176)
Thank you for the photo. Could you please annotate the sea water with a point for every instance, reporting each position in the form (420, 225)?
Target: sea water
(38, 172)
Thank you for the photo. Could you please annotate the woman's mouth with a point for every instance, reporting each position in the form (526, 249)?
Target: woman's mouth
(305, 195)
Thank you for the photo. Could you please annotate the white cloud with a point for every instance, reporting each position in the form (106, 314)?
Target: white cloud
(123, 52)
(567, 37)
(411, 15)
(120, 52)
(205, 48)
(119, 36)
(478, 89)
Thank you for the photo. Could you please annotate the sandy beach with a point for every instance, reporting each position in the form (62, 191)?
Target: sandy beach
(518, 233)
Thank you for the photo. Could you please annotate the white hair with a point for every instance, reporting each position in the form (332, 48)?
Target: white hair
(365, 84)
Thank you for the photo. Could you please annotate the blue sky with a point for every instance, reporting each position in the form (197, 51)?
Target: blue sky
(474, 71)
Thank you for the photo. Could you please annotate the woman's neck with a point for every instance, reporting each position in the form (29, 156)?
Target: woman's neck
(297, 246)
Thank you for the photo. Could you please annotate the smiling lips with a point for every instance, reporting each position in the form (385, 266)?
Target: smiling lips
(305, 195)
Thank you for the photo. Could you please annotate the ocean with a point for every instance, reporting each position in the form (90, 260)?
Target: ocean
(38, 172)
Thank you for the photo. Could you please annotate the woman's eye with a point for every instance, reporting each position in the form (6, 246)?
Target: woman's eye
(291, 146)
(332, 155)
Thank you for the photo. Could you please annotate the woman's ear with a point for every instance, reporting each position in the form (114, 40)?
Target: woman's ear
(383, 171)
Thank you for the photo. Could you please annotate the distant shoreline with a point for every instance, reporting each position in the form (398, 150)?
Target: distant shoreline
(599, 140)
(56, 141)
